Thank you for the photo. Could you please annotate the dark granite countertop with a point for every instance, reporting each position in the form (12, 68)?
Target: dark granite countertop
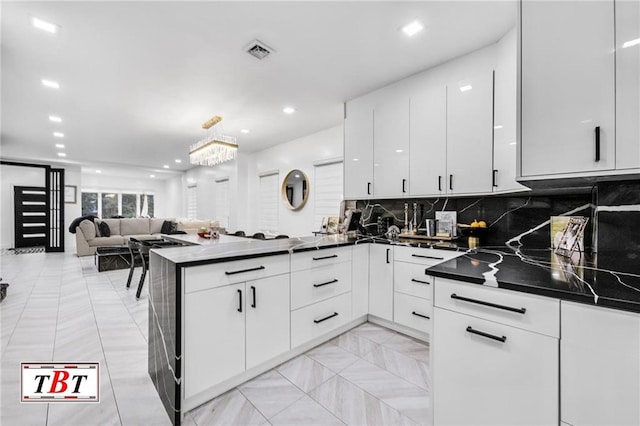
(610, 279)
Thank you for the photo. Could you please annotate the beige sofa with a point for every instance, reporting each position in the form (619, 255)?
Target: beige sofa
(89, 237)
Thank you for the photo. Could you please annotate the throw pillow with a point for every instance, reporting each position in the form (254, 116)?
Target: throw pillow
(104, 229)
(166, 227)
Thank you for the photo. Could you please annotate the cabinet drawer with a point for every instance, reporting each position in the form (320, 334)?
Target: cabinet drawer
(203, 277)
(413, 312)
(320, 318)
(320, 283)
(423, 256)
(315, 258)
(526, 311)
(409, 278)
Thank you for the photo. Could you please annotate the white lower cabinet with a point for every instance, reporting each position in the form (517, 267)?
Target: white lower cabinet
(320, 318)
(414, 312)
(599, 366)
(381, 281)
(214, 340)
(487, 373)
(267, 323)
(231, 328)
(360, 280)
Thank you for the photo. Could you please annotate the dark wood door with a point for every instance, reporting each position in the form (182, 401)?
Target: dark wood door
(30, 219)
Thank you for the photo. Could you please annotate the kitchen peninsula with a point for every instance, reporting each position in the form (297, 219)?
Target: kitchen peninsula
(224, 313)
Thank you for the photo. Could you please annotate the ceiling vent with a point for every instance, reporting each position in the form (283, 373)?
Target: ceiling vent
(258, 49)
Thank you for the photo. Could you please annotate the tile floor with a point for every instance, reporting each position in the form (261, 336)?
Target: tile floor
(59, 308)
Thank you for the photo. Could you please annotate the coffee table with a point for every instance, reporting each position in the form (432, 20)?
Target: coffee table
(112, 258)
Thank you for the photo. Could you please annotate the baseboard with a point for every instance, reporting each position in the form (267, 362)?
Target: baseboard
(424, 337)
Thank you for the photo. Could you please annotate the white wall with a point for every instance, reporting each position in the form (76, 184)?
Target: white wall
(299, 154)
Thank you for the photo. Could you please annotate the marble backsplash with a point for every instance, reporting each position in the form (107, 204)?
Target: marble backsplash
(507, 216)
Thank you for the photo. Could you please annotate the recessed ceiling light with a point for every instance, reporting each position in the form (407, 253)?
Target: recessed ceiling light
(178, 160)
(244, 131)
(59, 145)
(58, 134)
(356, 159)
(44, 25)
(412, 28)
(399, 151)
(62, 154)
(152, 176)
(498, 126)
(512, 143)
(166, 166)
(50, 83)
(98, 171)
(466, 88)
(631, 43)
(55, 119)
(288, 110)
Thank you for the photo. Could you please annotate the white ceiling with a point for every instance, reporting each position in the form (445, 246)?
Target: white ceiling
(139, 78)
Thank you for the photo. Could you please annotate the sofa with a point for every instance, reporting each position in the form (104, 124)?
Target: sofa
(89, 235)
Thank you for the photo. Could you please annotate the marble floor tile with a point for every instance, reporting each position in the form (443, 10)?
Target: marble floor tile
(354, 343)
(409, 346)
(270, 393)
(354, 406)
(305, 373)
(398, 393)
(374, 332)
(306, 412)
(333, 357)
(231, 408)
(401, 365)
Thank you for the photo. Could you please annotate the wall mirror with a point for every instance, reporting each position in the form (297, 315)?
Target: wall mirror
(295, 189)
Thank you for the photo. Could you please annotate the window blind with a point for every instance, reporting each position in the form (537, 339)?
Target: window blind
(192, 202)
(222, 202)
(268, 207)
(328, 191)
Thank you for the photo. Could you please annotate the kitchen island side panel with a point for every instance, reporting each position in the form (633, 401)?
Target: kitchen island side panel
(164, 334)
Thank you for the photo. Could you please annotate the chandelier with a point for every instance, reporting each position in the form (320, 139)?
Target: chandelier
(215, 148)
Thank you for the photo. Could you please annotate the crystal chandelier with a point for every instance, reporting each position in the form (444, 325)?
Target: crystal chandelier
(215, 148)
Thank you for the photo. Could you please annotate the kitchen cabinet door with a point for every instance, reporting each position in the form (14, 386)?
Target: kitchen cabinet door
(481, 381)
(391, 147)
(469, 132)
(381, 281)
(599, 366)
(267, 312)
(360, 280)
(428, 140)
(358, 150)
(627, 84)
(214, 344)
(568, 87)
(504, 116)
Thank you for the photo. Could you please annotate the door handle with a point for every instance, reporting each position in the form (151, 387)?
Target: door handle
(419, 315)
(451, 182)
(439, 183)
(326, 283)
(388, 251)
(239, 300)
(244, 270)
(597, 130)
(335, 314)
(494, 179)
(404, 182)
(325, 257)
(491, 305)
(368, 188)
(253, 295)
(419, 281)
(487, 335)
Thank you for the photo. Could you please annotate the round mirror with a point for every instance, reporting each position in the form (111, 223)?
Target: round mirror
(295, 189)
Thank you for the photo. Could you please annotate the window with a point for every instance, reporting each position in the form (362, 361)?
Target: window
(328, 191)
(222, 202)
(89, 203)
(268, 207)
(109, 205)
(192, 202)
(129, 205)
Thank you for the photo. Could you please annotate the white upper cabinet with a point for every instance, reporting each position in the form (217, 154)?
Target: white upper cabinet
(627, 84)
(504, 116)
(568, 87)
(391, 146)
(358, 150)
(469, 132)
(428, 140)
